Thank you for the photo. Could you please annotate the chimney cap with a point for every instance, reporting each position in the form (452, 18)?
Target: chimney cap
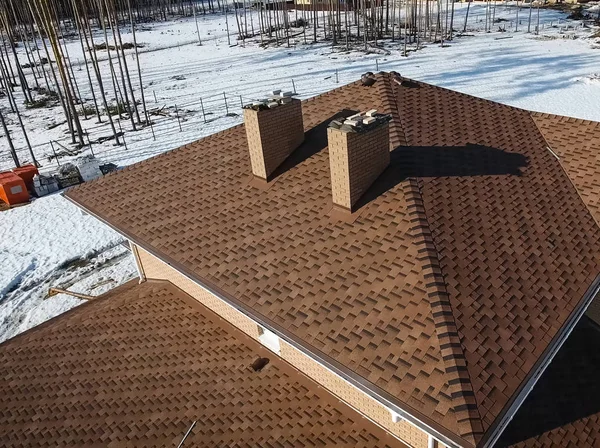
(361, 122)
(276, 98)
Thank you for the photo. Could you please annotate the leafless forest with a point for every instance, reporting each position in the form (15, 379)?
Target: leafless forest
(35, 61)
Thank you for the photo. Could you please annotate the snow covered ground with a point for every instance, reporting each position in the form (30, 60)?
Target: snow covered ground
(51, 244)
(555, 71)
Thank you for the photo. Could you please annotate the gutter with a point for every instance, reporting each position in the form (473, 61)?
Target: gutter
(498, 427)
(386, 399)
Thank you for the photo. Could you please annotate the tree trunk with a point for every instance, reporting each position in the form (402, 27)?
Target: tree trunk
(13, 152)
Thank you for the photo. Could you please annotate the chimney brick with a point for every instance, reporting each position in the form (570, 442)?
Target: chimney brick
(272, 135)
(356, 159)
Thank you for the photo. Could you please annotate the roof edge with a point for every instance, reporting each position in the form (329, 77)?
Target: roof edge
(416, 418)
(461, 388)
(102, 297)
(564, 118)
(506, 415)
(510, 409)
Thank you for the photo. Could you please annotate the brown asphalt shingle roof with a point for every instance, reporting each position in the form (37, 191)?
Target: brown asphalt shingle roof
(516, 246)
(577, 143)
(138, 366)
(446, 286)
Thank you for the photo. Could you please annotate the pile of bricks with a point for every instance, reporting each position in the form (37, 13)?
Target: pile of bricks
(277, 98)
(89, 168)
(67, 176)
(361, 122)
(44, 185)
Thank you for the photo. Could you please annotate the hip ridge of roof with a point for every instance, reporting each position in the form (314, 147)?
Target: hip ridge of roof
(459, 381)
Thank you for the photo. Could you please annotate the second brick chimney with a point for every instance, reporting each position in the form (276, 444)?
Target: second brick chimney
(274, 129)
(359, 151)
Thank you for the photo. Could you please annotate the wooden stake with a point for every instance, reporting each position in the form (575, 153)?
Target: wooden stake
(202, 106)
(54, 291)
(226, 107)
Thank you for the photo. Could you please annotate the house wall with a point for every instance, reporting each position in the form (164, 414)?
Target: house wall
(153, 268)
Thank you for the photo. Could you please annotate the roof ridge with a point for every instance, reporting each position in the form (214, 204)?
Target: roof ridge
(461, 388)
(566, 118)
(71, 312)
(388, 97)
(496, 103)
(459, 93)
(332, 91)
(167, 152)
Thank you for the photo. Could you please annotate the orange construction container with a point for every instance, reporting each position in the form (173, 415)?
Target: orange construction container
(13, 190)
(27, 173)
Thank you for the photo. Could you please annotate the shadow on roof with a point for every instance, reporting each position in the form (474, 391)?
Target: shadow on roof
(315, 140)
(567, 391)
(444, 161)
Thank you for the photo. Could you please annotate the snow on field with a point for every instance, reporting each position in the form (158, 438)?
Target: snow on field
(50, 243)
(539, 72)
(196, 90)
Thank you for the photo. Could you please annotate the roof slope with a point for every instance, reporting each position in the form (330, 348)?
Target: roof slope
(353, 290)
(577, 143)
(464, 260)
(139, 365)
(517, 247)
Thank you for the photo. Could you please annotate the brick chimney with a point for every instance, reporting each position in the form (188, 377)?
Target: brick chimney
(359, 151)
(274, 129)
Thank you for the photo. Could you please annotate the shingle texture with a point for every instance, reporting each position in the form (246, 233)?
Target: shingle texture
(460, 265)
(516, 245)
(577, 143)
(137, 367)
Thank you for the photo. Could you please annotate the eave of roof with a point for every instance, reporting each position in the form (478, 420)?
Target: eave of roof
(564, 408)
(139, 364)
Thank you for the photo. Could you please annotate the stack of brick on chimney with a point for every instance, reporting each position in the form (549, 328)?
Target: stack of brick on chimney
(359, 151)
(274, 129)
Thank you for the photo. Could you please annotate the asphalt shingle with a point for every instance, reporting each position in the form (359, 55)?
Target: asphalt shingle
(445, 287)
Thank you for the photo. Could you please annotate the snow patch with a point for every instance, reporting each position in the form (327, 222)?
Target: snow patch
(593, 79)
(51, 243)
(15, 269)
